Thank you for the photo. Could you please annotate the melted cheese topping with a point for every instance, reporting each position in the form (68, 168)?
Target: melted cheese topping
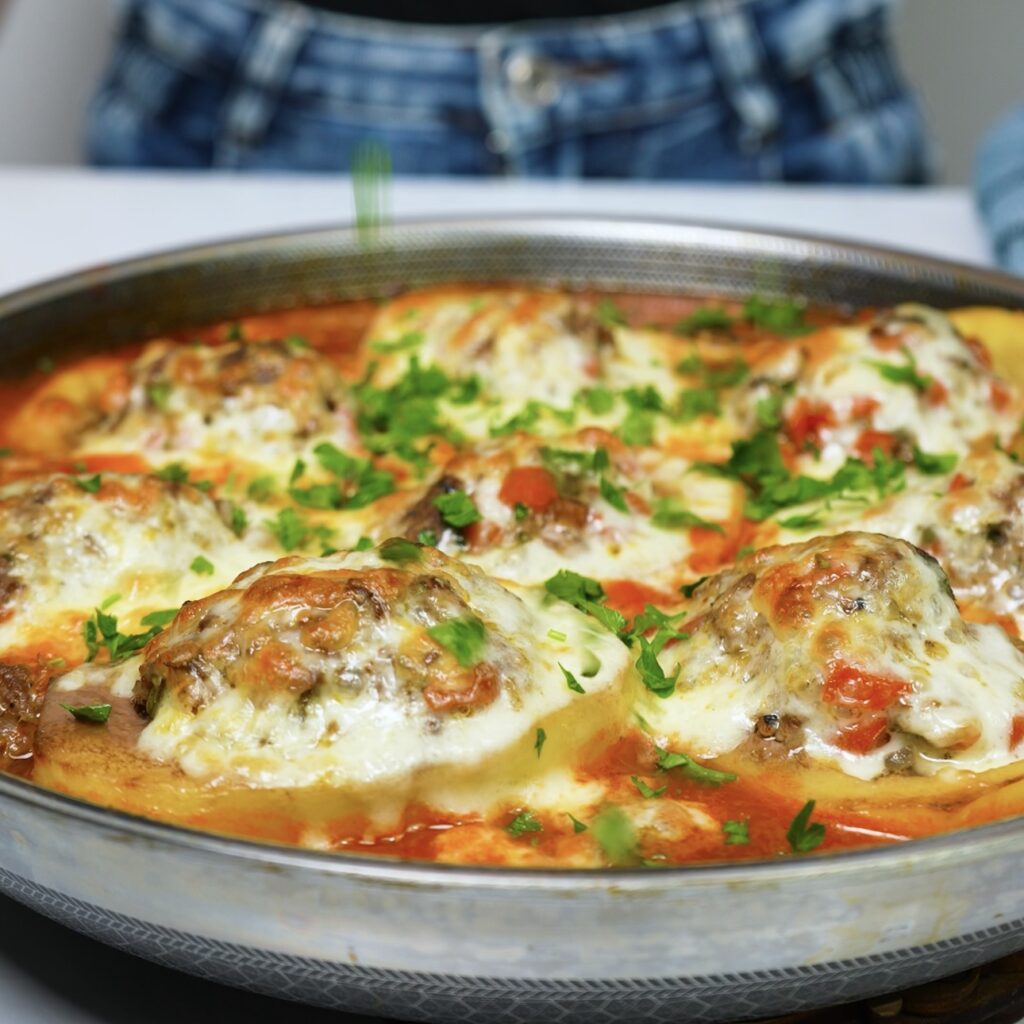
(856, 642)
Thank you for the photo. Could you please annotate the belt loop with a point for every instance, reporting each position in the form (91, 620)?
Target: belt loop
(738, 57)
(261, 72)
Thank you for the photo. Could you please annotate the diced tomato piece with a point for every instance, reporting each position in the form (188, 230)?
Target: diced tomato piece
(532, 486)
(979, 351)
(852, 687)
(959, 482)
(937, 392)
(638, 503)
(630, 597)
(806, 421)
(115, 463)
(863, 735)
(1016, 731)
(1000, 395)
(866, 444)
(863, 406)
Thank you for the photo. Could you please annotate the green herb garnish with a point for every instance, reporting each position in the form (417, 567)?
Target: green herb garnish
(457, 509)
(523, 823)
(91, 484)
(802, 835)
(538, 743)
(89, 712)
(737, 833)
(667, 760)
(399, 550)
(465, 637)
(646, 791)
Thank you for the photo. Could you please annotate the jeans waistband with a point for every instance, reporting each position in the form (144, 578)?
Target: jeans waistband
(530, 80)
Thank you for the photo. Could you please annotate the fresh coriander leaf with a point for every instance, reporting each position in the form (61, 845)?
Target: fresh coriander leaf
(691, 768)
(173, 472)
(934, 464)
(91, 484)
(297, 470)
(783, 316)
(573, 588)
(261, 488)
(613, 495)
(645, 791)
(89, 712)
(400, 550)
(409, 340)
(109, 601)
(570, 680)
(297, 343)
(335, 461)
(321, 496)
(577, 825)
(162, 618)
(747, 549)
(599, 401)
(292, 531)
(768, 410)
(905, 374)
(803, 522)
(706, 318)
(522, 823)
(201, 566)
(609, 314)
(521, 511)
(718, 377)
(687, 589)
(695, 402)
(737, 833)
(465, 637)
(612, 620)
(234, 333)
(637, 428)
(237, 519)
(457, 509)
(363, 544)
(652, 675)
(159, 393)
(803, 835)
(538, 743)
(614, 833)
(101, 631)
(670, 515)
(427, 538)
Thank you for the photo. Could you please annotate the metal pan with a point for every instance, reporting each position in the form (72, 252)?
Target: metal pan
(427, 942)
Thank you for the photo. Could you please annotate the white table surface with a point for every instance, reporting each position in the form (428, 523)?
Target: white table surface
(56, 221)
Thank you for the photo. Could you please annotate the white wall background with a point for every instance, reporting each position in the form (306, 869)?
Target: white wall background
(965, 57)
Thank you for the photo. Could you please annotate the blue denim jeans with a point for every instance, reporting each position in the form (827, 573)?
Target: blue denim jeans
(727, 90)
(999, 189)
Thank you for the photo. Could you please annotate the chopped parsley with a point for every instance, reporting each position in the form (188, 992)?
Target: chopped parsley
(365, 483)
(737, 833)
(297, 471)
(159, 393)
(522, 823)
(177, 473)
(427, 538)
(457, 509)
(609, 314)
(688, 589)
(201, 566)
(613, 495)
(101, 632)
(521, 511)
(538, 743)
(570, 680)
(293, 531)
(614, 834)
(905, 373)
(802, 834)
(237, 519)
(320, 496)
(637, 428)
(706, 318)
(577, 825)
(695, 402)
(598, 400)
(399, 550)
(934, 464)
(91, 484)
(652, 675)
(646, 791)
(670, 515)
(585, 594)
(667, 760)
(89, 712)
(465, 637)
(782, 316)
(363, 544)
(409, 340)
(261, 488)
(161, 618)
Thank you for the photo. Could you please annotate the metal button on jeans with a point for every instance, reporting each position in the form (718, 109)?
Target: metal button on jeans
(533, 80)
